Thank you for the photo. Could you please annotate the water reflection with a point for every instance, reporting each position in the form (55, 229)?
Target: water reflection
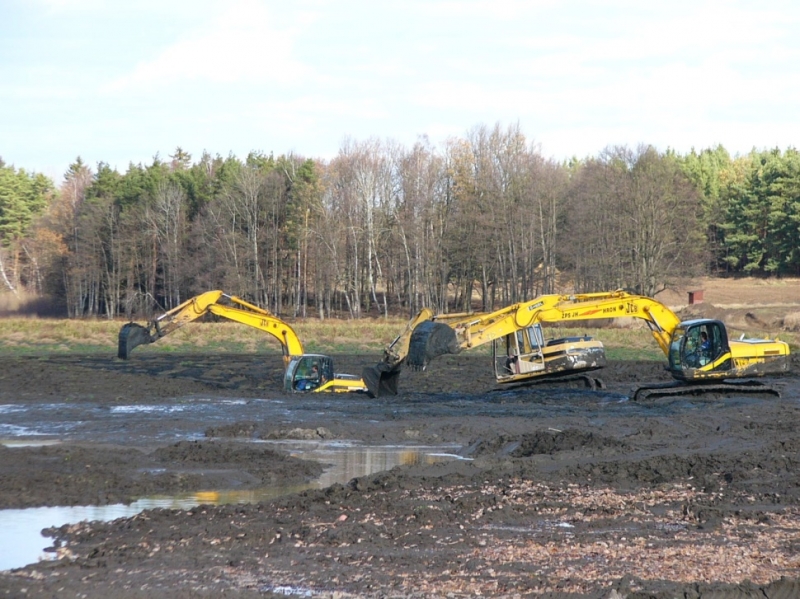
(21, 542)
(347, 461)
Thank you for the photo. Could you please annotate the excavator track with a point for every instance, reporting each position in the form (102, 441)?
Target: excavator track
(672, 388)
(588, 381)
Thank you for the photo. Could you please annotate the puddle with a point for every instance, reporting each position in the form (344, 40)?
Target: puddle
(351, 460)
(138, 423)
(141, 409)
(28, 442)
(15, 430)
(188, 418)
(21, 541)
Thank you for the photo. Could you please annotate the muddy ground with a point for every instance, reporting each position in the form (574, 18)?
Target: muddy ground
(561, 492)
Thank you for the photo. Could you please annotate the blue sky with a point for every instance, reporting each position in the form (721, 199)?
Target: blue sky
(120, 81)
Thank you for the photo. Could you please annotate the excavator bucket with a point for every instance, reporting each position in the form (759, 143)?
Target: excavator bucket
(130, 336)
(381, 379)
(429, 340)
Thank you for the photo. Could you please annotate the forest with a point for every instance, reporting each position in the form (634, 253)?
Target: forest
(384, 229)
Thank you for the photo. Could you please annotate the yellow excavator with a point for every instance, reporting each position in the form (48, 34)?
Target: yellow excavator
(525, 357)
(701, 357)
(304, 373)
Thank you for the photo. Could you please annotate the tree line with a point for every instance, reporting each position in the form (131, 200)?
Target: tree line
(382, 228)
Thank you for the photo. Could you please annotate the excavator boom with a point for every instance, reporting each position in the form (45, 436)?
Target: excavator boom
(466, 332)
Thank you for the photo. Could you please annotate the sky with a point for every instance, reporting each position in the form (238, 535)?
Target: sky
(121, 81)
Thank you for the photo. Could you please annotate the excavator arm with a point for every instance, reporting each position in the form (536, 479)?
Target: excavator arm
(235, 309)
(618, 304)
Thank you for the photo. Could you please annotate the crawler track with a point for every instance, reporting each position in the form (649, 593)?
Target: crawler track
(672, 388)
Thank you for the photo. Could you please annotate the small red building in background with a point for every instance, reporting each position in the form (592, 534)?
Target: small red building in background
(696, 297)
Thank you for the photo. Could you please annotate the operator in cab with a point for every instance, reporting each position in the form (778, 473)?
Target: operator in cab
(311, 380)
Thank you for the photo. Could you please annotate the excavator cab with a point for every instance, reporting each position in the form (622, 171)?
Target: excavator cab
(313, 373)
(519, 352)
(308, 372)
(525, 355)
(698, 345)
(701, 358)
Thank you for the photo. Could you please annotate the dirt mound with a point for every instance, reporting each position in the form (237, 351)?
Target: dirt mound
(71, 476)
(301, 434)
(211, 453)
(791, 322)
(252, 430)
(235, 430)
(542, 442)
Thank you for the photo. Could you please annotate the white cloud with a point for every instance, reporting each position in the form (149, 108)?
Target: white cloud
(100, 7)
(62, 6)
(242, 43)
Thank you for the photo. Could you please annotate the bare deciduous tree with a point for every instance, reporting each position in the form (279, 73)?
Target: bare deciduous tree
(634, 221)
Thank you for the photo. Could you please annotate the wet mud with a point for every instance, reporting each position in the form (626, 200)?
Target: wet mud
(560, 491)
(70, 474)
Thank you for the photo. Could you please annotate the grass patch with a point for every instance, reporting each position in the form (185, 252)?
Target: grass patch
(36, 336)
(618, 354)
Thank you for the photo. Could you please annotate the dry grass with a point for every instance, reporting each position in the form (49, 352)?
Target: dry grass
(791, 322)
(37, 335)
(758, 308)
(746, 292)
(43, 336)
